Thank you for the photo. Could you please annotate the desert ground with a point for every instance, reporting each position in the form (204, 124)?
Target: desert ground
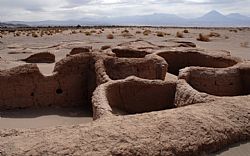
(59, 42)
(58, 47)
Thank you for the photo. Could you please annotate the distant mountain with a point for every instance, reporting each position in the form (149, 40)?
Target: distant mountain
(153, 19)
(12, 25)
(212, 18)
(238, 16)
(61, 23)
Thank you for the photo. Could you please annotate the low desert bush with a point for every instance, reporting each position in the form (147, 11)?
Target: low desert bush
(87, 33)
(127, 35)
(18, 33)
(74, 32)
(110, 36)
(185, 31)
(34, 34)
(99, 32)
(49, 33)
(146, 32)
(204, 38)
(160, 34)
(5, 32)
(93, 31)
(179, 34)
(125, 31)
(240, 29)
(214, 34)
(42, 33)
(233, 30)
(58, 31)
(138, 32)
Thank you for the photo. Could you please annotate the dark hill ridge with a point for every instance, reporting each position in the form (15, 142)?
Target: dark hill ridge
(12, 25)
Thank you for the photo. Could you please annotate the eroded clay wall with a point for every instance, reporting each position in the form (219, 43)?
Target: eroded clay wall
(178, 60)
(186, 95)
(245, 79)
(25, 86)
(148, 68)
(175, 61)
(220, 82)
(101, 74)
(134, 96)
(129, 53)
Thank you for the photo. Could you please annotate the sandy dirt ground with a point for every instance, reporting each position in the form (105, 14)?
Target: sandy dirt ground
(240, 149)
(44, 117)
(15, 48)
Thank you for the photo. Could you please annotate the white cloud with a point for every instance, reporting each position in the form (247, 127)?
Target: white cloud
(72, 9)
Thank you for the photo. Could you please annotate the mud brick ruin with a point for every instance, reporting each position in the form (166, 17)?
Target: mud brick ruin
(145, 99)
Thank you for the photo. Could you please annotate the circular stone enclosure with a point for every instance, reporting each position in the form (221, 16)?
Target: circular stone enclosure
(139, 96)
(177, 60)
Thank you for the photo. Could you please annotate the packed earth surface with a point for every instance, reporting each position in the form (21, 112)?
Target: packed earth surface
(124, 91)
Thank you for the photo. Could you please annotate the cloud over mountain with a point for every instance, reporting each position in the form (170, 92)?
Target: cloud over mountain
(212, 18)
(31, 10)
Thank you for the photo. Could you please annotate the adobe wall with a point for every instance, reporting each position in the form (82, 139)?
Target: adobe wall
(195, 84)
(129, 53)
(73, 80)
(43, 57)
(101, 75)
(187, 95)
(76, 77)
(135, 95)
(181, 59)
(192, 130)
(215, 121)
(25, 86)
(149, 67)
(245, 78)
(100, 103)
(219, 82)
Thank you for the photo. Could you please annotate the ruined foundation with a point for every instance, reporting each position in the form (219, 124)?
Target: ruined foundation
(149, 67)
(219, 82)
(180, 59)
(138, 96)
(70, 85)
(134, 103)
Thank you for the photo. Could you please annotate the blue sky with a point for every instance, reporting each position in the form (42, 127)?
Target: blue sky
(35, 10)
